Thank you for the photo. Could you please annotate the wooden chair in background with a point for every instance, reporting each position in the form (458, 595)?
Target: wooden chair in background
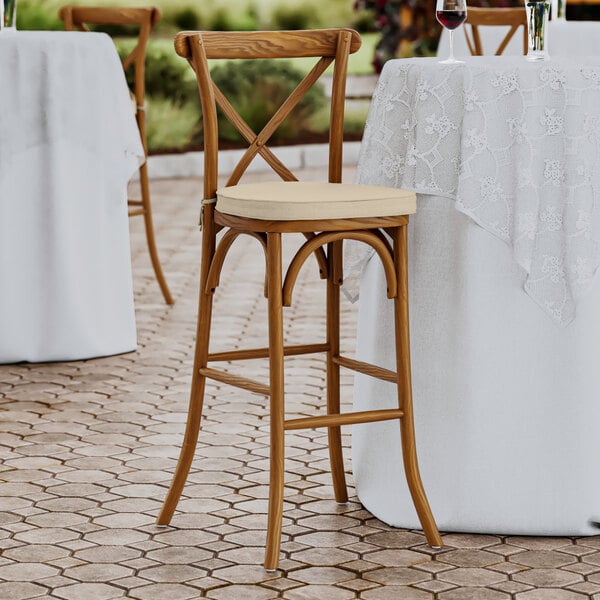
(144, 19)
(325, 214)
(510, 17)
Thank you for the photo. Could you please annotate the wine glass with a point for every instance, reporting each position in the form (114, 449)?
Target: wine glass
(451, 14)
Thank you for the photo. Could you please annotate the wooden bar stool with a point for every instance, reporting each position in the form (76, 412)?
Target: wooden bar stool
(145, 19)
(326, 214)
(483, 17)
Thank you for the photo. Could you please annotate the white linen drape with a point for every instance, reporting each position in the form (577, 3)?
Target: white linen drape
(505, 156)
(506, 402)
(68, 145)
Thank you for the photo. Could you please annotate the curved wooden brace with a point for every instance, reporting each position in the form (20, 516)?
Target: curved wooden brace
(380, 234)
(368, 237)
(320, 256)
(214, 273)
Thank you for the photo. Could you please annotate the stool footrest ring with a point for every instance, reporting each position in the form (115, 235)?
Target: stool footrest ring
(366, 368)
(365, 416)
(236, 380)
(264, 352)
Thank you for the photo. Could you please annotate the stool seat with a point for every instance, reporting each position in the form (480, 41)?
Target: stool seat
(307, 200)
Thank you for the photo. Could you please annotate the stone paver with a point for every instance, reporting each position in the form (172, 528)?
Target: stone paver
(88, 449)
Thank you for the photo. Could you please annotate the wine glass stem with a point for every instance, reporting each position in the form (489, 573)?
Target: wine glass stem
(451, 57)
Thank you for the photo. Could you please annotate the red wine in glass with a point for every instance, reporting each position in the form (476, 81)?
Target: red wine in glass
(451, 14)
(451, 19)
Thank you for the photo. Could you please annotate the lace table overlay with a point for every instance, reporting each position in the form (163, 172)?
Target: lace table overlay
(69, 143)
(514, 143)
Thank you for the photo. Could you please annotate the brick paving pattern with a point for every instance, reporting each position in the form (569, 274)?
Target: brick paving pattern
(87, 450)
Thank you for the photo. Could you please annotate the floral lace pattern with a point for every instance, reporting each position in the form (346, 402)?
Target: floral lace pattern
(516, 145)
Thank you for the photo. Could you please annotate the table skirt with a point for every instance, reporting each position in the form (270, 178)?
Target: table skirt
(506, 401)
(65, 266)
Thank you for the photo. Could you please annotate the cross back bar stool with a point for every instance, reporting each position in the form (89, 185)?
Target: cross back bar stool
(511, 17)
(326, 214)
(145, 19)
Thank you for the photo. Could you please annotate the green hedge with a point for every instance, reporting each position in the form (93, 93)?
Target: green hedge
(172, 126)
(167, 74)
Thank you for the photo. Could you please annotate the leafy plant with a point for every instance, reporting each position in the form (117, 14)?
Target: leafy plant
(226, 20)
(187, 18)
(33, 15)
(171, 125)
(293, 17)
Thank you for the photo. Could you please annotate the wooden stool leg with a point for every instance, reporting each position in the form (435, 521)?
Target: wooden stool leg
(195, 407)
(409, 449)
(276, 384)
(158, 272)
(336, 457)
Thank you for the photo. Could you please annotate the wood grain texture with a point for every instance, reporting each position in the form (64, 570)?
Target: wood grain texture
(309, 225)
(221, 251)
(336, 420)
(264, 44)
(253, 353)
(277, 402)
(404, 385)
(367, 237)
(367, 368)
(235, 380)
(334, 433)
(338, 99)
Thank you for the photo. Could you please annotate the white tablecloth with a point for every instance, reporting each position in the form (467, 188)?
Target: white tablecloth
(564, 38)
(506, 392)
(68, 145)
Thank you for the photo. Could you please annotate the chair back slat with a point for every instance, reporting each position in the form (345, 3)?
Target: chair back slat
(510, 17)
(265, 44)
(105, 15)
(328, 45)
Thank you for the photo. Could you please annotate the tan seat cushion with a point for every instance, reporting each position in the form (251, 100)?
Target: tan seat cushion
(299, 200)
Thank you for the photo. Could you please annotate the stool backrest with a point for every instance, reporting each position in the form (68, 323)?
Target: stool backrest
(511, 17)
(328, 45)
(80, 17)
